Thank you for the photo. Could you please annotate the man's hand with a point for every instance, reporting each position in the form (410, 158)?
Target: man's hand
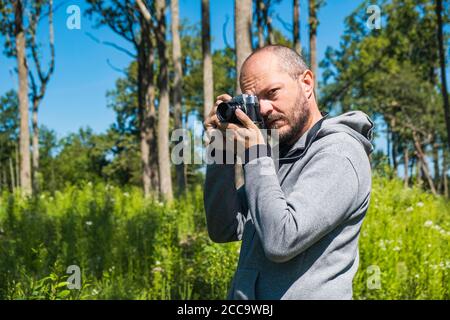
(245, 135)
(212, 124)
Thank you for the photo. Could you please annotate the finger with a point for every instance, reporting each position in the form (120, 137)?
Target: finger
(245, 120)
(224, 97)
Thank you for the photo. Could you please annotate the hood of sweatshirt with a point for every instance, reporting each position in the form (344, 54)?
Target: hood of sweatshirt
(355, 123)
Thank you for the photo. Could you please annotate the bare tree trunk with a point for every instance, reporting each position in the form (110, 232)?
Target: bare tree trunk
(394, 152)
(406, 162)
(178, 89)
(440, 33)
(38, 94)
(296, 20)
(24, 137)
(243, 38)
(142, 84)
(444, 173)
(146, 97)
(424, 164)
(35, 143)
(11, 172)
(163, 110)
(259, 22)
(435, 154)
(208, 80)
(243, 41)
(313, 41)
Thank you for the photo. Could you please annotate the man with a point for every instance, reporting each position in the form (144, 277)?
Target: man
(300, 225)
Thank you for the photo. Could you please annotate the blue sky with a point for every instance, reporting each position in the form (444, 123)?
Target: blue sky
(76, 95)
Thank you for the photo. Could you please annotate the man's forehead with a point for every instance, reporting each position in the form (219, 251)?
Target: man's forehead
(261, 62)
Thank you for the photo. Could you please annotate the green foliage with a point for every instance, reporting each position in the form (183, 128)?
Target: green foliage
(129, 247)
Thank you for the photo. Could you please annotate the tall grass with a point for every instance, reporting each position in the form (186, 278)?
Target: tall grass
(128, 247)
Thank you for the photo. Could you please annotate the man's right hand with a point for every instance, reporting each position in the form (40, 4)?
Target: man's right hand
(212, 124)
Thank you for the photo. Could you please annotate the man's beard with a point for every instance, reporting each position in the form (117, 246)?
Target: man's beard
(300, 117)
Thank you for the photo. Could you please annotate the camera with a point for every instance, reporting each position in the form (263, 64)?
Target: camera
(249, 104)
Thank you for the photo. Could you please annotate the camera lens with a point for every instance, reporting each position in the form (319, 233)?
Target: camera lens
(225, 112)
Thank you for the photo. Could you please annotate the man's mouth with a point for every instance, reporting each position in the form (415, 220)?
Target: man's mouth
(272, 122)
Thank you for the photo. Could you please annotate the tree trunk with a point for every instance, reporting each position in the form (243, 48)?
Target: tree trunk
(313, 41)
(435, 155)
(243, 41)
(406, 162)
(11, 172)
(35, 143)
(178, 88)
(259, 22)
(24, 136)
(444, 173)
(163, 107)
(423, 163)
(144, 129)
(394, 152)
(296, 29)
(208, 80)
(440, 39)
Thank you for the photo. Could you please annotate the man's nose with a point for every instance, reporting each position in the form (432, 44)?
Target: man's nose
(265, 107)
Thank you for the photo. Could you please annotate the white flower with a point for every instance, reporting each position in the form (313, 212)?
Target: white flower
(417, 276)
(157, 269)
(420, 204)
(409, 209)
(157, 263)
(126, 194)
(89, 223)
(396, 248)
(428, 223)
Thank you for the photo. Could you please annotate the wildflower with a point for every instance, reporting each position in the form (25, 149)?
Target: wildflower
(409, 209)
(157, 263)
(126, 194)
(89, 223)
(428, 223)
(417, 275)
(397, 248)
(157, 269)
(420, 204)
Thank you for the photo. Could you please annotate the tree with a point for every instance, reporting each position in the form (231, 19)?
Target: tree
(243, 43)
(134, 24)
(243, 38)
(208, 80)
(296, 29)
(390, 74)
(38, 90)
(178, 87)
(440, 39)
(314, 6)
(163, 107)
(22, 67)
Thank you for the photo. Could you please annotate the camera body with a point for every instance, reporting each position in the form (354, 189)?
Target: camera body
(249, 104)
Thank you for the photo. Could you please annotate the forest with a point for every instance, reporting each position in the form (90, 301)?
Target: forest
(114, 204)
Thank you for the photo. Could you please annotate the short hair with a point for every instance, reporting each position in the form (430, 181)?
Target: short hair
(289, 60)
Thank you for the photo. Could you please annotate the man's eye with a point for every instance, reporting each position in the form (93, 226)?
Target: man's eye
(273, 92)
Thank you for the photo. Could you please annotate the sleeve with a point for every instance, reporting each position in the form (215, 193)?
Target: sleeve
(321, 199)
(225, 207)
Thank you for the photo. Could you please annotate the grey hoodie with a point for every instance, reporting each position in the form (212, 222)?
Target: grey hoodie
(299, 222)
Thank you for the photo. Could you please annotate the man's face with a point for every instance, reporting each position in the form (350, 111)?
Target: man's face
(284, 105)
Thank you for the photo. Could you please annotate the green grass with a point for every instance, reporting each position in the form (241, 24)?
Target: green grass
(131, 248)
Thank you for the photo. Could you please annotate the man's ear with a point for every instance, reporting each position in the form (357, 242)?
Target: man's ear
(307, 83)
